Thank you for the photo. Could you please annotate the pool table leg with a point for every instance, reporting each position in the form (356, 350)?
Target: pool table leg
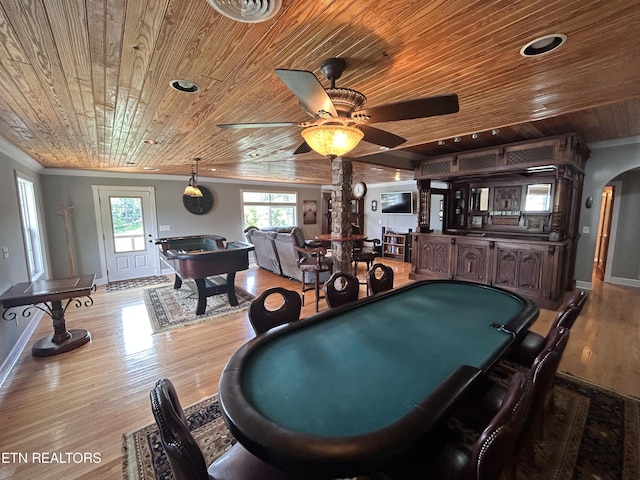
(202, 295)
(177, 283)
(231, 289)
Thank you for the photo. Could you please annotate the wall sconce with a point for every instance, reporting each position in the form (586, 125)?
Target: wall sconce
(374, 205)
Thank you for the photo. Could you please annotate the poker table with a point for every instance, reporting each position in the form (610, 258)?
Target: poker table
(346, 391)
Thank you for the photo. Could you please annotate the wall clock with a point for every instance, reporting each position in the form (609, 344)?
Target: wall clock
(199, 205)
(359, 190)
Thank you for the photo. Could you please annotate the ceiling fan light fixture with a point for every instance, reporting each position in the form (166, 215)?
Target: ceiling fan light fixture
(543, 45)
(247, 11)
(332, 141)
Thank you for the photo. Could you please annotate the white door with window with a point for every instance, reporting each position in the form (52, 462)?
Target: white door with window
(128, 223)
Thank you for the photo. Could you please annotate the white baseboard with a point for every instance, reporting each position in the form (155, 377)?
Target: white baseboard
(628, 282)
(584, 285)
(11, 359)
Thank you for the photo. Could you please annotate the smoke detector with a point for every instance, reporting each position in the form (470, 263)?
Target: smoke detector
(247, 11)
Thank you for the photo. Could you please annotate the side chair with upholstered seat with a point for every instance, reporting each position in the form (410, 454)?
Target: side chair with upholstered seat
(263, 318)
(183, 452)
(363, 251)
(312, 262)
(341, 288)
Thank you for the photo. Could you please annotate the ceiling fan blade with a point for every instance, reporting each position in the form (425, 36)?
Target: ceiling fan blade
(258, 125)
(306, 86)
(303, 148)
(419, 108)
(381, 137)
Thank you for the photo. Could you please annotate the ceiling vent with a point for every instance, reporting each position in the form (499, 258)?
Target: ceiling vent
(247, 11)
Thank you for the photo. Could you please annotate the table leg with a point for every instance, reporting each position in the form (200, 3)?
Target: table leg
(62, 339)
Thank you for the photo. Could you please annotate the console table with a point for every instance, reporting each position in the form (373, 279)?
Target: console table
(48, 296)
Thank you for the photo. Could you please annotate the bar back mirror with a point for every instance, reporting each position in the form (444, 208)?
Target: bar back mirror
(538, 198)
(480, 199)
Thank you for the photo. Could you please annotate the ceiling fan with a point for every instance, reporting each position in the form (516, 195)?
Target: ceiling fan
(343, 108)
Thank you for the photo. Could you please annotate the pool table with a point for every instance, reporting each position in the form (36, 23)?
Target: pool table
(346, 391)
(203, 258)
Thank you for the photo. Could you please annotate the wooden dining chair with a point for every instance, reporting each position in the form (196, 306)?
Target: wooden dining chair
(341, 288)
(263, 317)
(183, 452)
(380, 278)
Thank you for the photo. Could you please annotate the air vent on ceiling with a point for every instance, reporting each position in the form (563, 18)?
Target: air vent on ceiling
(248, 11)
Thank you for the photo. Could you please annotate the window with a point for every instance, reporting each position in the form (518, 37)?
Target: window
(128, 224)
(30, 228)
(269, 209)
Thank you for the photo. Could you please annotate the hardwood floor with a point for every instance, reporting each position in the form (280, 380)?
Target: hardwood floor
(84, 400)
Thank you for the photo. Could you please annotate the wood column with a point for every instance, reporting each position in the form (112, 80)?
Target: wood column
(341, 179)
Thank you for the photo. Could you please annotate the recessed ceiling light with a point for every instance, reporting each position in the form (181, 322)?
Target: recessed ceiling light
(254, 154)
(149, 142)
(151, 169)
(382, 147)
(543, 45)
(457, 139)
(440, 142)
(213, 169)
(253, 11)
(184, 86)
(377, 169)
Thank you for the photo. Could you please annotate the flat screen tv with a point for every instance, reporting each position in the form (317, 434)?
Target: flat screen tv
(396, 202)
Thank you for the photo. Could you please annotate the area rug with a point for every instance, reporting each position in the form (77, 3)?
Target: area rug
(169, 308)
(136, 283)
(593, 434)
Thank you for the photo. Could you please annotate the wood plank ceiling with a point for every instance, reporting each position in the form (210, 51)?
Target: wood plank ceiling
(84, 83)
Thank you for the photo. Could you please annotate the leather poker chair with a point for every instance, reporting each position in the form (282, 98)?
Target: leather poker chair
(446, 456)
(184, 454)
(263, 318)
(380, 283)
(478, 410)
(525, 352)
(341, 288)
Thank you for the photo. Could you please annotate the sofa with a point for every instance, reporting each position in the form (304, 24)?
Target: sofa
(274, 251)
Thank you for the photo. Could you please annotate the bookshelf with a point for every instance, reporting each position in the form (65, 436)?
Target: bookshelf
(395, 245)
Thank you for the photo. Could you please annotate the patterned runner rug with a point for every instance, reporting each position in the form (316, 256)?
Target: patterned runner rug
(594, 433)
(169, 308)
(136, 283)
